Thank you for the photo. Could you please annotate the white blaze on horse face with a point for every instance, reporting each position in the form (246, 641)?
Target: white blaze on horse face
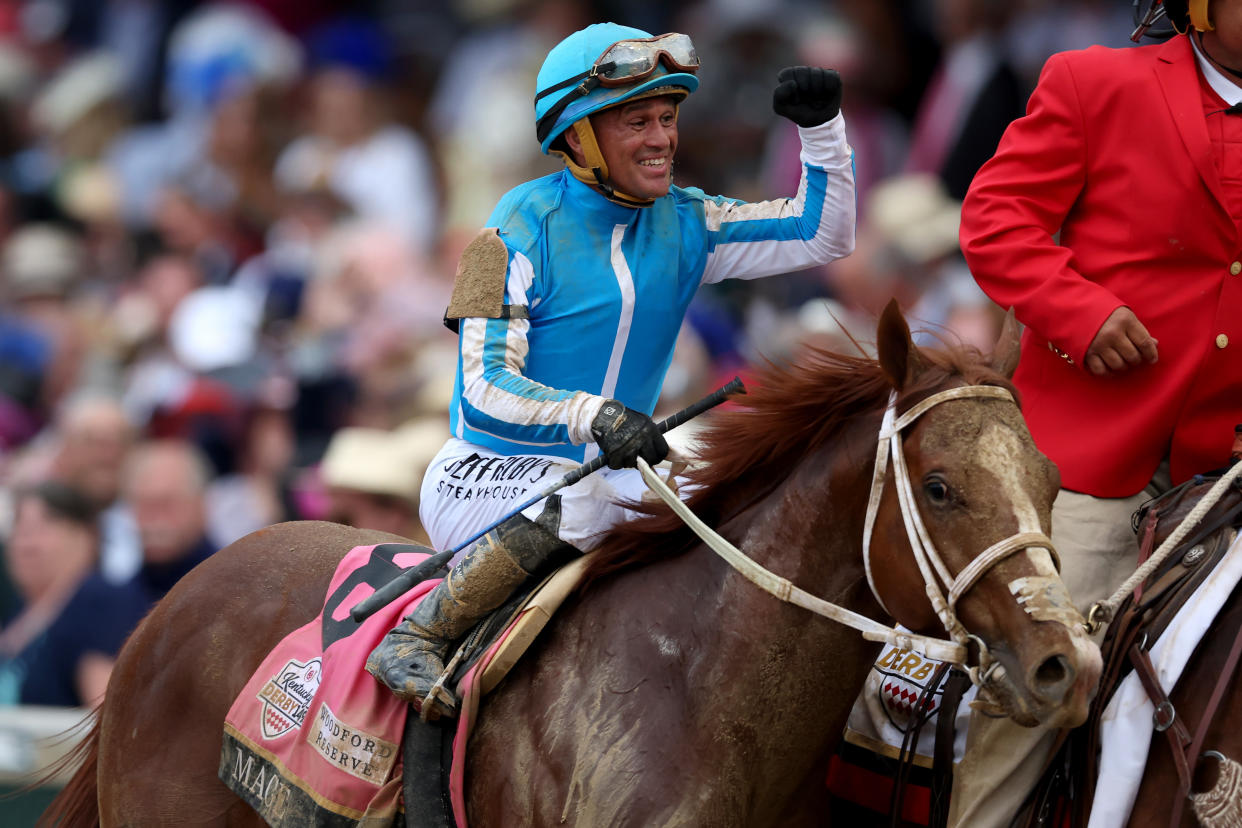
(1043, 596)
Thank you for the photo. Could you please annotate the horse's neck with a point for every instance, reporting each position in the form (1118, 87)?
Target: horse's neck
(680, 692)
(770, 669)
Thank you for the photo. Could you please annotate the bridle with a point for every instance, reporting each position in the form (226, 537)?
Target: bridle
(936, 575)
(931, 565)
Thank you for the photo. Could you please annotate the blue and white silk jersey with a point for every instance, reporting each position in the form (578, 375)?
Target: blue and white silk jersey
(606, 288)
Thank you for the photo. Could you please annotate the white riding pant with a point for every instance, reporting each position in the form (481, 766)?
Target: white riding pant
(469, 488)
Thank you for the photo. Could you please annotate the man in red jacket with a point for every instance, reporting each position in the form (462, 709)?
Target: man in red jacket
(1130, 374)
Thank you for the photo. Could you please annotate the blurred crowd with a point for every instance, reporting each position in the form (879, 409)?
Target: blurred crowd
(228, 232)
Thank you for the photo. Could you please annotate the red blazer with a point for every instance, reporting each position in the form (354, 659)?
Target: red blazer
(1114, 153)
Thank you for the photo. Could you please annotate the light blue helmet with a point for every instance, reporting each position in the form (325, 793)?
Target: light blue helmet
(567, 89)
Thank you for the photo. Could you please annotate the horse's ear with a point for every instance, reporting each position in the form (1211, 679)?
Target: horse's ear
(899, 356)
(1005, 354)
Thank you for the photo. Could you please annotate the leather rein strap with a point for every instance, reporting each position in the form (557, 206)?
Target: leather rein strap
(931, 565)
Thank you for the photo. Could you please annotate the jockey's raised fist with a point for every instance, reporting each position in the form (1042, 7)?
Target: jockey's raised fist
(807, 95)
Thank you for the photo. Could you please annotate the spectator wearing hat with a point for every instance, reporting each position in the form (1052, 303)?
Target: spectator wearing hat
(372, 476)
(80, 110)
(351, 148)
(908, 249)
(917, 220)
(187, 350)
(73, 119)
(214, 53)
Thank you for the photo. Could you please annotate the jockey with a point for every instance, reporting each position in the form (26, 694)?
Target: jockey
(568, 306)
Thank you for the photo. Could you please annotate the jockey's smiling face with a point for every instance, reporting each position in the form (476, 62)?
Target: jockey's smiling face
(638, 141)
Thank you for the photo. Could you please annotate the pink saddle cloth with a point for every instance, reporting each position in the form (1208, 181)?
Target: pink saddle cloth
(313, 739)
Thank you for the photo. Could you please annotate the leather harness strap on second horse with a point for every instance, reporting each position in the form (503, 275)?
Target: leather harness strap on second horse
(1139, 625)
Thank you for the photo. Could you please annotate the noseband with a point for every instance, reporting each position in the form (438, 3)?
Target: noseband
(936, 575)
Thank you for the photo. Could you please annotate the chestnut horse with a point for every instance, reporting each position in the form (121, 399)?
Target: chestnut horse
(670, 690)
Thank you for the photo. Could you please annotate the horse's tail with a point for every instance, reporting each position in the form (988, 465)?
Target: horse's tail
(77, 806)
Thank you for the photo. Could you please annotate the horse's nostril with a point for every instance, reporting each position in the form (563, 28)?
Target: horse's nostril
(1053, 677)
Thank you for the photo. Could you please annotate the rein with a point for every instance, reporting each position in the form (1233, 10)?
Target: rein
(931, 565)
(786, 591)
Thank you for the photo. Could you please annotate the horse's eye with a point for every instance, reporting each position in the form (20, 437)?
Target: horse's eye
(937, 490)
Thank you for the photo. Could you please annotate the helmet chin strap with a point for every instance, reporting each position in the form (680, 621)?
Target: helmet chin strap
(1198, 10)
(595, 173)
(590, 148)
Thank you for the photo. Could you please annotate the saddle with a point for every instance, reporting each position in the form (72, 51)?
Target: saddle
(1067, 789)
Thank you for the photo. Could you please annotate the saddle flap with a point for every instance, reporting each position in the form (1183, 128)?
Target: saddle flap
(500, 640)
(530, 621)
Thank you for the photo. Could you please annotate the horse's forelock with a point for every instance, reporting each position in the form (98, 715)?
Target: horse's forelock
(966, 362)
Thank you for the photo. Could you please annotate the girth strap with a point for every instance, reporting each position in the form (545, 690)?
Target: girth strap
(1165, 719)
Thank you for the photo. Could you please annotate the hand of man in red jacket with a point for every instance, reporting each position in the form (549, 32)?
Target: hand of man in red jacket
(1121, 343)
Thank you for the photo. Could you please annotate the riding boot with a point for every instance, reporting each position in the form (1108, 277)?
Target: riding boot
(410, 659)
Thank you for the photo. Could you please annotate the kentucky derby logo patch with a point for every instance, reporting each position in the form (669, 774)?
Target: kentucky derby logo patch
(287, 696)
(904, 677)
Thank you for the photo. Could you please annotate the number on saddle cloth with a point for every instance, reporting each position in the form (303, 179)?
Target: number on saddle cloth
(380, 569)
(375, 573)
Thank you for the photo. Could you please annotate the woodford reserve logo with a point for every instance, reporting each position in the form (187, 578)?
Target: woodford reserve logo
(354, 751)
(287, 696)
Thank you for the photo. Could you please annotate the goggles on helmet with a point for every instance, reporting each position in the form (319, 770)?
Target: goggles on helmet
(623, 63)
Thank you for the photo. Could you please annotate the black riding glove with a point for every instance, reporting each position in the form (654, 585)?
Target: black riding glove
(624, 435)
(807, 95)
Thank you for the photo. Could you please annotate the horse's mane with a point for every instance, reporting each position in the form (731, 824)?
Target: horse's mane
(788, 412)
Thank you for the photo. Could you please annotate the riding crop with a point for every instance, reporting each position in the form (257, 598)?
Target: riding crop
(406, 581)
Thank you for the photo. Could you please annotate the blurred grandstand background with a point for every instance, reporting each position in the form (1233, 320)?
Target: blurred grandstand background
(228, 232)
